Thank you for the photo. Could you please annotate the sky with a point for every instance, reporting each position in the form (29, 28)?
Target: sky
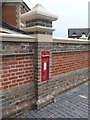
(71, 14)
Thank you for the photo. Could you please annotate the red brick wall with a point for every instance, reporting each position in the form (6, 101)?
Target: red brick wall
(20, 71)
(16, 71)
(9, 14)
(63, 63)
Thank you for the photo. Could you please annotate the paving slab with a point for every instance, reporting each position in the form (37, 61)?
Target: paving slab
(70, 104)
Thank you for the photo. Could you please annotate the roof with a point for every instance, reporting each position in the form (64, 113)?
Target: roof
(78, 31)
(17, 1)
(78, 28)
(39, 12)
(25, 5)
(11, 27)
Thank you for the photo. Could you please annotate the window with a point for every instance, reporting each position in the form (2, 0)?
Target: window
(74, 34)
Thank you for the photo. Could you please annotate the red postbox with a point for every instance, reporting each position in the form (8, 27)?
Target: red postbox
(45, 65)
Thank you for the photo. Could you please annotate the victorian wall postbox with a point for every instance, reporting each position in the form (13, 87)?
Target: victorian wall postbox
(45, 65)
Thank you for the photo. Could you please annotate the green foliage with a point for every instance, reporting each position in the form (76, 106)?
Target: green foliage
(89, 37)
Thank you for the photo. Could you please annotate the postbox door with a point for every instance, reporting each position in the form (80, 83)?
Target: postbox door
(45, 68)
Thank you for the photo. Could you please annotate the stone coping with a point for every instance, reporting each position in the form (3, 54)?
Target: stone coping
(71, 41)
(17, 37)
(27, 38)
(39, 12)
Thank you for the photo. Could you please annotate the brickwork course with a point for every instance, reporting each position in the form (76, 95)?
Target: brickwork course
(35, 70)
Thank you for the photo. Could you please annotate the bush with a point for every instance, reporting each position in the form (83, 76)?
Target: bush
(89, 37)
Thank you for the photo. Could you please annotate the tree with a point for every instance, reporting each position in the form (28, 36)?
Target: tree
(89, 37)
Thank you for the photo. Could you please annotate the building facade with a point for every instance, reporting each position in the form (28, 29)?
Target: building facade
(78, 32)
(12, 10)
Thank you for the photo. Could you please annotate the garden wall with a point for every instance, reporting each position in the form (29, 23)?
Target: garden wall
(21, 72)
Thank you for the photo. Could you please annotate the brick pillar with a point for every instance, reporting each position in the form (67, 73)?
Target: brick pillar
(44, 37)
(43, 89)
